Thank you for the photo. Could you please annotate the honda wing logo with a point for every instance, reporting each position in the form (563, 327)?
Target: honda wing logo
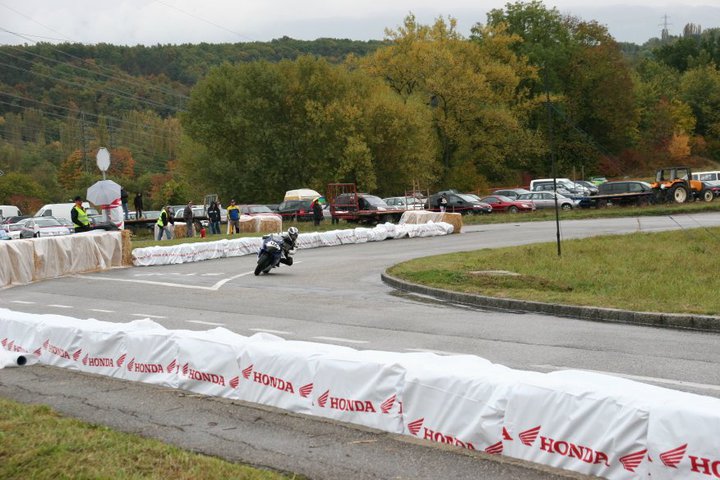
(247, 372)
(495, 448)
(306, 390)
(387, 405)
(632, 460)
(234, 382)
(415, 426)
(505, 434)
(322, 399)
(77, 354)
(121, 359)
(171, 366)
(671, 458)
(528, 436)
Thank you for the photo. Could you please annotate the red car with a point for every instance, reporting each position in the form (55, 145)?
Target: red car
(501, 203)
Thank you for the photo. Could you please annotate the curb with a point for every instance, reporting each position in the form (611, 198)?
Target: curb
(704, 323)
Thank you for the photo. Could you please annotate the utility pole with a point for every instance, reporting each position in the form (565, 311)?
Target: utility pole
(552, 162)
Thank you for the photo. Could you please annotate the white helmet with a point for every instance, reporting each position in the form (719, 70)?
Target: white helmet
(293, 233)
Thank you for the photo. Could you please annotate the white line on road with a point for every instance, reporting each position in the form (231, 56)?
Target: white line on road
(267, 330)
(343, 340)
(439, 352)
(59, 306)
(639, 378)
(22, 301)
(145, 315)
(101, 310)
(168, 284)
(206, 323)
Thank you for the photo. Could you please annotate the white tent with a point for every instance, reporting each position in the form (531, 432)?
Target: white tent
(301, 194)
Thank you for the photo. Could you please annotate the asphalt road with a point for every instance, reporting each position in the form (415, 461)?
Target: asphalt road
(334, 295)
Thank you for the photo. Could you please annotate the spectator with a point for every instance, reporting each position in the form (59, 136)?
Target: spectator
(79, 216)
(189, 218)
(214, 217)
(138, 206)
(442, 202)
(163, 223)
(317, 212)
(233, 215)
(124, 200)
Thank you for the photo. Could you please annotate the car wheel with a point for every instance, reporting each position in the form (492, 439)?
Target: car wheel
(513, 209)
(566, 206)
(679, 194)
(707, 195)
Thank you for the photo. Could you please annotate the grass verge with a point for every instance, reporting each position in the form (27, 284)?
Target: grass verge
(38, 443)
(673, 272)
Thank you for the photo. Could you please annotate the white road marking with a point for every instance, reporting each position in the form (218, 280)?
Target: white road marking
(59, 306)
(439, 352)
(639, 378)
(212, 274)
(267, 330)
(145, 315)
(22, 301)
(206, 323)
(212, 288)
(101, 310)
(343, 340)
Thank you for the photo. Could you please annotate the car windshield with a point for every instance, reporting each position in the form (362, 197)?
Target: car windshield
(47, 222)
(290, 204)
(259, 209)
(468, 197)
(374, 201)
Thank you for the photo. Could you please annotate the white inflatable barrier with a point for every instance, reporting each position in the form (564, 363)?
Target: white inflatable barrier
(195, 252)
(585, 422)
(25, 261)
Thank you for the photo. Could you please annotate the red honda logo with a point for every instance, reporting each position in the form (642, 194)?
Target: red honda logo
(171, 366)
(505, 434)
(306, 390)
(234, 382)
(38, 352)
(528, 436)
(131, 364)
(388, 404)
(322, 399)
(671, 458)
(85, 359)
(495, 448)
(247, 372)
(415, 426)
(77, 354)
(633, 460)
(121, 359)
(186, 369)
(4, 342)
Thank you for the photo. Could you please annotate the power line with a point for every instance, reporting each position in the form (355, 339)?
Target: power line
(206, 21)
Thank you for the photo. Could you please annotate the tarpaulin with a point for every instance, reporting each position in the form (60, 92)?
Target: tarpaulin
(15, 359)
(151, 356)
(16, 262)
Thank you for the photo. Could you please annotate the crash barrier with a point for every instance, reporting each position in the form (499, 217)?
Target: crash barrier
(585, 422)
(423, 216)
(26, 261)
(195, 252)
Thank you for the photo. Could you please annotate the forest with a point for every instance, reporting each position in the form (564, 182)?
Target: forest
(425, 107)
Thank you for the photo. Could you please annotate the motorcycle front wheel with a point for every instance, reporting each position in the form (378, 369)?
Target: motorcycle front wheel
(263, 262)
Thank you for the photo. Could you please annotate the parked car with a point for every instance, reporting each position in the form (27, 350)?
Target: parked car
(298, 210)
(463, 203)
(513, 193)
(500, 203)
(255, 210)
(624, 192)
(273, 206)
(592, 188)
(46, 226)
(13, 219)
(405, 203)
(547, 200)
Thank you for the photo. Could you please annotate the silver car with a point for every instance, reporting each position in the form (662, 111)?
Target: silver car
(547, 200)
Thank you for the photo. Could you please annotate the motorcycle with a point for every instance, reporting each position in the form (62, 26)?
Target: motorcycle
(271, 253)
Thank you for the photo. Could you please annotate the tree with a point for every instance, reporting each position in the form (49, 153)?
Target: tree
(21, 190)
(473, 91)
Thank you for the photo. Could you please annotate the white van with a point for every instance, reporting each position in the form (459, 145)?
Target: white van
(712, 178)
(9, 211)
(62, 210)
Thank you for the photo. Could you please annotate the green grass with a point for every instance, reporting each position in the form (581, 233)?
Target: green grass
(37, 443)
(609, 212)
(673, 272)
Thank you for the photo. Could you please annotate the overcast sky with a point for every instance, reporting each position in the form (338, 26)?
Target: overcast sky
(151, 22)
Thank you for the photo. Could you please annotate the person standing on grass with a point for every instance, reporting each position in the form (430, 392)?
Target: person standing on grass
(442, 202)
(317, 212)
(138, 206)
(214, 217)
(189, 218)
(163, 223)
(233, 216)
